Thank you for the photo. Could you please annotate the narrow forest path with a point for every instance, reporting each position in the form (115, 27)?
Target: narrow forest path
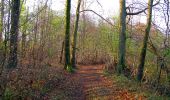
(90, 83)
(96, 86)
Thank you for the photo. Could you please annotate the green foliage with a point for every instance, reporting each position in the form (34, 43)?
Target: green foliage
(108, 38)
(155, 97)
(70, 69)
(50, 52)
(3, 48)
(8, 94)
(167, 52)
(23, 7)
(57, 22)
(133, 86)
(98, 45)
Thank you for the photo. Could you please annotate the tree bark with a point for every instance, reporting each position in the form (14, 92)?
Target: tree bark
(61, 55)
(73, 60)
(24, 36)
(1, 32)
(2, 19)
(67, 34)
(12, 61)
(122, 37)
(144, 47)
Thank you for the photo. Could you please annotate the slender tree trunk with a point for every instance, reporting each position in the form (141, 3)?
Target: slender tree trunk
(1, 32)
(2, 19)
(67, 34)
(12, 62)
(73, 60)
(122, 37)
(35, 44)
(144, 47)
(84, 27)
(6, 36)
(61, 56)
(24, 36)
(8, 24)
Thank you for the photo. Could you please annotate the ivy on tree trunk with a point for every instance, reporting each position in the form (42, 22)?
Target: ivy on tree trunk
(73, 60)
(67, 34)
(122, 37)
(144, 46)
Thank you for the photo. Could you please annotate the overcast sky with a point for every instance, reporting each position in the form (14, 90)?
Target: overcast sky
(107, 9)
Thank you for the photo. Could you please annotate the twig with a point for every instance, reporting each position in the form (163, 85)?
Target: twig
(97, 15)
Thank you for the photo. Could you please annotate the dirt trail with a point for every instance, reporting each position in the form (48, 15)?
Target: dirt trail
(89, 83)
(95, 85)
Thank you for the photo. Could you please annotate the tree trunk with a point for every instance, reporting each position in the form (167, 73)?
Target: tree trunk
(2, 19)
(144, 47)
(67, 34)
(61, 56)
(12, 62)
(1, 32)
(73, 60)
(122, 37)
(24, 36)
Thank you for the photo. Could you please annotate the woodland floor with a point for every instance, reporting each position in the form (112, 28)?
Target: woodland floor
(89, 83)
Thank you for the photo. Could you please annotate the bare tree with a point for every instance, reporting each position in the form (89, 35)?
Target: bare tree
(144, 46)
(73, 60)
(12, 62)
(122, 37)
(67, 34)
(2, 19)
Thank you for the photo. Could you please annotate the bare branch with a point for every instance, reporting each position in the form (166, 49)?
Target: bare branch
(99, 3)
(35, 14)
(141, 11)
(97, 15)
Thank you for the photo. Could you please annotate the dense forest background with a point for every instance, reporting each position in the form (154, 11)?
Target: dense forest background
(42, 49)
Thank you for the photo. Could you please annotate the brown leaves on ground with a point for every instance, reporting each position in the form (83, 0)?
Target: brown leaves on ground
(51, 82)
(98, 87)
